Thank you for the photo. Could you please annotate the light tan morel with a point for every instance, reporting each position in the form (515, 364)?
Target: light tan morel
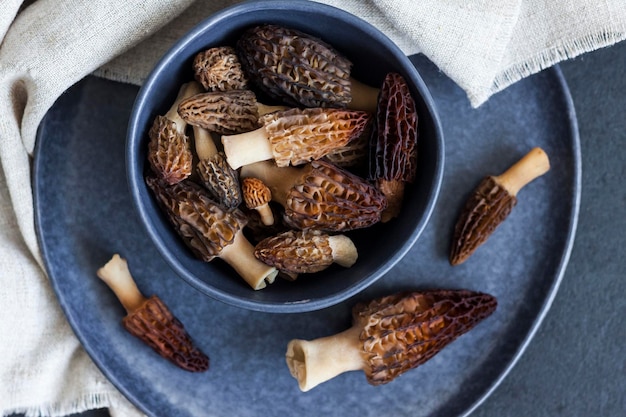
(219, 69)
(295, 136)
(169, 148)
(150, 320)
(306, 251)
(300, 69)
(257, 196)
(211, 231)
(389, 336)
(321, 196)
(492, 202)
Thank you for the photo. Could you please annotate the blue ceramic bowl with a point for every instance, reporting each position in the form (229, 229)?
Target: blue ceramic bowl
(380, 247)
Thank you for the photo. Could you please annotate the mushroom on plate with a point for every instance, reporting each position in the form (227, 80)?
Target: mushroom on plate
(150, 320)
(211, 231)
(295, 136)
(320, 195)
(301, 69)
(389, 336)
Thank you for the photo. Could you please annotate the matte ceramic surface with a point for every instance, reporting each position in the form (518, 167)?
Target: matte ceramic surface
(85, 213)
(372, 55)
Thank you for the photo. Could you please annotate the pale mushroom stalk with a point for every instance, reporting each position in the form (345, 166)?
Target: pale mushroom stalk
(343, 250)
(320, 196)
(210, 231)
(150, 320)
(363, 97)
(320, 360)
(491, 203)
(389, 336)
(295, 136)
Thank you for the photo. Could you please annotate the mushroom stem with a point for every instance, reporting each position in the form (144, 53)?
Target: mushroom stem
(319, 360)
(533, 165)
(364, 97)
(343, 250)
(265, 212)
(187, 90)
(247, 148)
(204, 144)
(240, 256)
(278, 179)
(116, 275)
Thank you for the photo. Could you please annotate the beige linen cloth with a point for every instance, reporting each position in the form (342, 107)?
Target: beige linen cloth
(484, 46)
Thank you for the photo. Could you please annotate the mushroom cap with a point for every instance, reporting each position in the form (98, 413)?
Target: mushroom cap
(298, 136)
(220, 180)
(354, 154)
(219, 69)
(402, 331)
(296, 251)
(486, 208)
(223, 112)
(169, 152)
(332, 199)
(204, 225)
(255, 192)
(156, 326)
(395, 132)
(295, 67)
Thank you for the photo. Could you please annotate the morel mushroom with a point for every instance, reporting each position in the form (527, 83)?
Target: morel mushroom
(389, 336)
(306, 251)
(295, 136)
(210, 231)
(354, 154)
(225, 112)
(394, 142)
(169, 150)
(217, 176)
(301, 70)
(257, 196)
(219, 69)
(491, 203)
(320, 195)
(150, 320)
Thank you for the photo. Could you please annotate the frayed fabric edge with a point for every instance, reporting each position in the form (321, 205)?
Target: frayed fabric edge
(84, 403)
(547, 58)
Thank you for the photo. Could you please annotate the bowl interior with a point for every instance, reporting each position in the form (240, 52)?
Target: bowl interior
(380, 247)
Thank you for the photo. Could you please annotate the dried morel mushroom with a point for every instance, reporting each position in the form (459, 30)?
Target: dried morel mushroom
(354, 154)
(210, 231)
(150, 320)
(225, 112)
(257, 196)
(306, 251)
(492, 202)
(389, 336)
(394, 142)
(320, 195)
(295, 136)
(219, 69)
(216, 175)
(169, 150)
(301, 70)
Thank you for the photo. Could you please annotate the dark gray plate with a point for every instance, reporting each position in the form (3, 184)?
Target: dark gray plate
(84, 214)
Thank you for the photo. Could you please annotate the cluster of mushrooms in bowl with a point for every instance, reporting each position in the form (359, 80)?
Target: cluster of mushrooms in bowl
(297, 144)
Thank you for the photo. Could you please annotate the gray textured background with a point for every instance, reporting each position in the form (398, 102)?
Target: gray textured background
(576, 365)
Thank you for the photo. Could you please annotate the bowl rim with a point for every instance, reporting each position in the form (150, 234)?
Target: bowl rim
(133, 137)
